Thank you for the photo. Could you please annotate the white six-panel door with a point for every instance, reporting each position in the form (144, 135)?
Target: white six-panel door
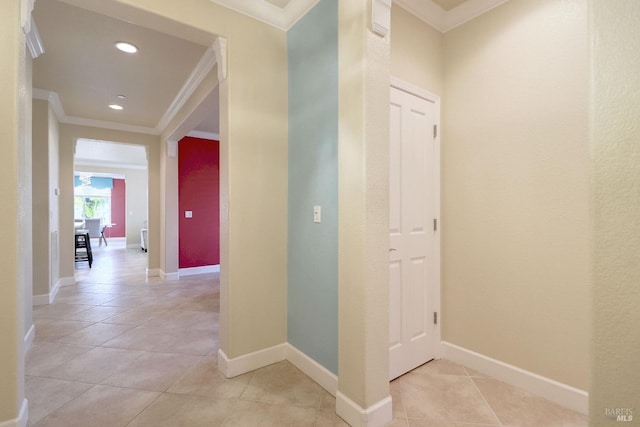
(412, 234)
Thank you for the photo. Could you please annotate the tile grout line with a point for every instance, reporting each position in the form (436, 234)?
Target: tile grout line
(485, 400)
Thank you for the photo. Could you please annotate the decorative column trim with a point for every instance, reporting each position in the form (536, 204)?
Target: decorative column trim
(381, 16)
(34, 43)
(172, 148)
(220, 48)
(26, 7)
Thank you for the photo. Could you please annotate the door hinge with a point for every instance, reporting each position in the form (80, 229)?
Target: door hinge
(435, 224)
(435, 317)
(435, 131)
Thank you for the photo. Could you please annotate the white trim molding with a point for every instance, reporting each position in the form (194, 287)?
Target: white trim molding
(250, 362)
(559, 393)
(220, 49)
(206, 63)
(26, 8)
(168, 277)
(172, 148)
(204, 135)
(282, 18)
(34, 42)
(321, 375)
(204, 269)
(376, 415)
(261, 358)
(21, 420)
(381, 17)
(444, 21)
(45, 299)
(28, 337)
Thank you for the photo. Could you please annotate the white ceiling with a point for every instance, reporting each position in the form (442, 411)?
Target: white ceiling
(90, 152)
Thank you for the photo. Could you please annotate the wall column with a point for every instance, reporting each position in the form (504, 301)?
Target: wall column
(13, 107)
(614, 395)
(169, 212)
(363, 275)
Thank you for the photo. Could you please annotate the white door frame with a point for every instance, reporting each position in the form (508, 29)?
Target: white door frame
(431, 97)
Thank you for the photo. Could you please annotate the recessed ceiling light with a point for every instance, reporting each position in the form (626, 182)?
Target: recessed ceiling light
(126, 47)
(115, 107)
(120, 96)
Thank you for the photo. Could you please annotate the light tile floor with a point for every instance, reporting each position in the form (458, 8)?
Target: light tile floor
(119, 350)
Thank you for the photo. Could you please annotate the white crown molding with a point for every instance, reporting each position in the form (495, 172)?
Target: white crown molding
(172, 148)
(469, 10)
(204, 135)
(220, 49)
(444, 21)
(34, 42)
(81, 121)
(282, 18)
(381, 16)
(206, 63)
(26, 7)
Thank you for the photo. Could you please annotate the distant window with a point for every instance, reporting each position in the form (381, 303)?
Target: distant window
(90, 202)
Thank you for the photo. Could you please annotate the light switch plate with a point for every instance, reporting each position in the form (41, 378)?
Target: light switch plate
(317, 213)
(188, 214)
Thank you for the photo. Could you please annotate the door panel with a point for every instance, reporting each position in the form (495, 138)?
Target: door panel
(411, 233)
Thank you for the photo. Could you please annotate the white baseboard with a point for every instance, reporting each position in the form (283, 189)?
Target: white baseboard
(324, 377)
(21, 420)
(376, 415)
(28, 338)
(54, 291)
(205, 269)
(45, 299)
(169, 276)
(559, 393)
(250, 362)
(153, 272)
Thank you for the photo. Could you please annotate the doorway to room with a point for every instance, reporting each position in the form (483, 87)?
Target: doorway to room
(110, 193)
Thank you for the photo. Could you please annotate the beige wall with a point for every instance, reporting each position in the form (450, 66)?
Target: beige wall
(71, 133)
(515, 177)
(417, 55)
(13, 105)
(615, 37)
(136, 181)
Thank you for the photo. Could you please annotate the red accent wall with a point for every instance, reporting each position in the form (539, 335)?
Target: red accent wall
(118, 209)
(199, 192)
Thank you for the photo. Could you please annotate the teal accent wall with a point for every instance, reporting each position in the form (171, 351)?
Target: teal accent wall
(312, 294)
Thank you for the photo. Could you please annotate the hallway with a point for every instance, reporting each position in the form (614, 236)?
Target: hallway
(117, 349)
